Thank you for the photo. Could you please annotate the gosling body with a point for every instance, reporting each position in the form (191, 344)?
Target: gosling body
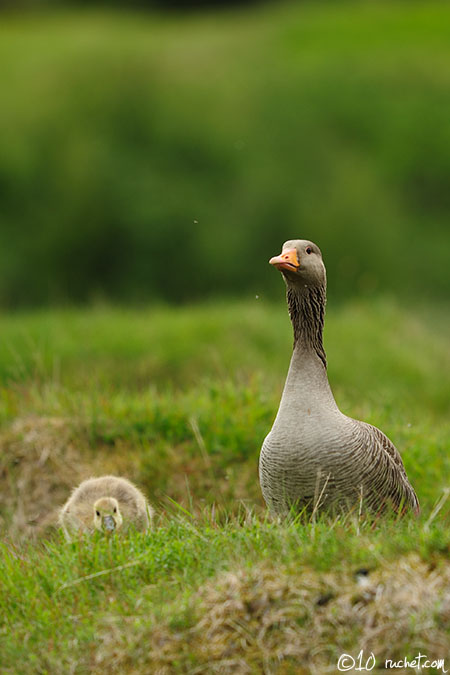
(107, 503)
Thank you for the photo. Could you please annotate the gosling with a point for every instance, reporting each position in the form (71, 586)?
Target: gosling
(107, 504)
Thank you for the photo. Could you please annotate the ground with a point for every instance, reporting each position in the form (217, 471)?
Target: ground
(179, 400)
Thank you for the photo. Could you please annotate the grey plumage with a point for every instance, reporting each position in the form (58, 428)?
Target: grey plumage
(315, 456)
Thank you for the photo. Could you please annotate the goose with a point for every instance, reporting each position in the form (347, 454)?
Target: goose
(107, 504)
(315, 457)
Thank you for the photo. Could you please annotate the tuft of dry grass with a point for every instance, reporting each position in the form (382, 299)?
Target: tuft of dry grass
(282, 619)
(37, 469)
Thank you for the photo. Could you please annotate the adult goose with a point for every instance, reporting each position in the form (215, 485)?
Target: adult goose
(315, 457)
(107, 504)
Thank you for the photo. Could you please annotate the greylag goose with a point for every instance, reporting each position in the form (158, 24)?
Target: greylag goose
(315, 457)
(108, 503)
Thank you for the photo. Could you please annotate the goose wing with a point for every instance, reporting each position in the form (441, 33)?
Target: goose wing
(379, 442)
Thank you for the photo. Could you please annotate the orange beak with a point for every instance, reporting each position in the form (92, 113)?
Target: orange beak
(287, 260)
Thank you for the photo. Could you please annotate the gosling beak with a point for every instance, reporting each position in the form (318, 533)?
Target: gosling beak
(108, 523)
(287, 260)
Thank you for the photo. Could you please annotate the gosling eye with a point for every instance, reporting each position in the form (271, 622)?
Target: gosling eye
(98, 513)
(309, 250)
(115, 510)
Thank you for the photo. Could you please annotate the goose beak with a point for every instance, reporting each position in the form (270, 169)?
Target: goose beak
(287, 260)
(109, 524)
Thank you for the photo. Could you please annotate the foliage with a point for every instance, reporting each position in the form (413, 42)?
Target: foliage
(169, 157)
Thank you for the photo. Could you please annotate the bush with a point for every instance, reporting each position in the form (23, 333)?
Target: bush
(170, 158)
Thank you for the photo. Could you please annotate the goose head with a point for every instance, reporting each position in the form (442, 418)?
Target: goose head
(300, 263)
(107, 516)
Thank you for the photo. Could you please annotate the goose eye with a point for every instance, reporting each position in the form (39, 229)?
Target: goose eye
(115, 510)
(309, 250)
(97, 512)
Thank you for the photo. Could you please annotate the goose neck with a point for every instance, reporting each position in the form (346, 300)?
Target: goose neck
(306, 306)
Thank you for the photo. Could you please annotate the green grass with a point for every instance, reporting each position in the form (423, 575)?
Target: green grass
(106, 604)
(179, 400)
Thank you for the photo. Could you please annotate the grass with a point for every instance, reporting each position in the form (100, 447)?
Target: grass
(147, 603)
(179, 400)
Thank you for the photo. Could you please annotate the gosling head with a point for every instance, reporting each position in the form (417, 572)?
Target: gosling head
(300, 263)
(107, 516)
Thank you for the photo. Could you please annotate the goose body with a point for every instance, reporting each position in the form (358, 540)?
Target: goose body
(107, 503)
(315, 457)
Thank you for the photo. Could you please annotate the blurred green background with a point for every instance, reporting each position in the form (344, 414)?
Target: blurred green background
(149, 154)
